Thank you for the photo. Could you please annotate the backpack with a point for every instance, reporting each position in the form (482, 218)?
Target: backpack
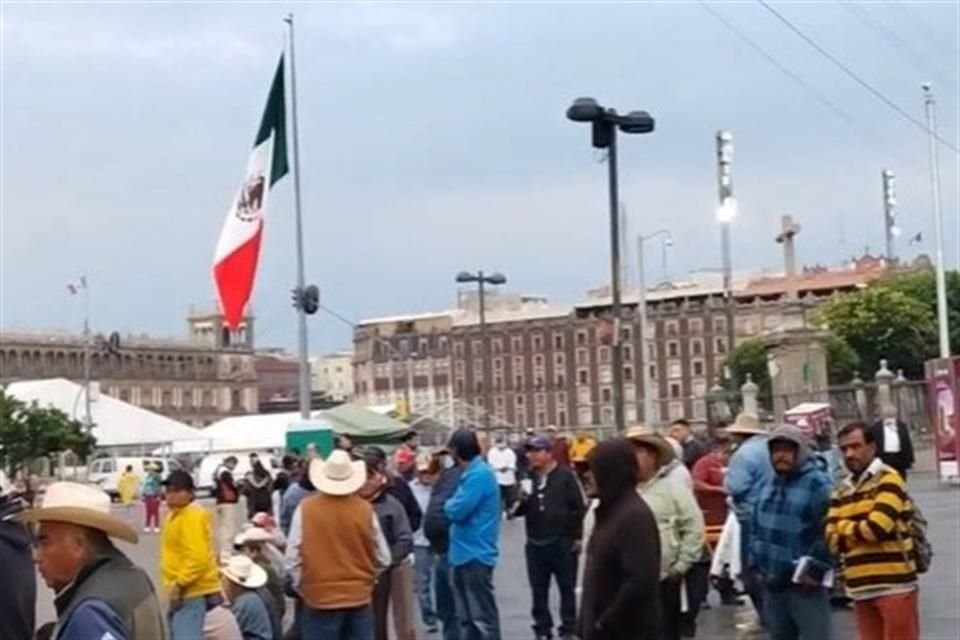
(917, 530)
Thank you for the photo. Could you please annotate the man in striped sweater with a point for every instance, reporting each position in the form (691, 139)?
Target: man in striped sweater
(867, 529)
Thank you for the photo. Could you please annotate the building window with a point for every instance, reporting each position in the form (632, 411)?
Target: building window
(478, 386)
(626, 333)
(581, 338)
(603, 353)
(476, 347)
(606, 395)
(674, 370)
(719, 324)
(628, 374)
(699, 409)
(457, 366)
(583, 395)
(558, 360)
(497, 364)
(698, 368)
(699, 388)
(516, 343)
(673, 349)
(629, 392)
(561, 397)
(606, 375)
(672, 328)
(653, 372)
(674, 389)
(559, 380)
(627, 353)
(537, 342)
(695, 326)
(442, 345)
(497, 345)
(458, 349)
(497, 382)
(582, 356)
(518, 400)
(538, 361)
(460, 386)
(561, 418)
(518, 381)
(583, 376)
(607, 415)
(676, 410)
(721, 345)
(630, 414)
(696, 347)
(541, 419)
(498, 402)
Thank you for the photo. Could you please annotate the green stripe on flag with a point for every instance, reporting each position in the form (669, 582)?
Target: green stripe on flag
(275, 122)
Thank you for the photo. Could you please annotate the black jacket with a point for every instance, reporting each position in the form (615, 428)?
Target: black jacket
(435, 524)
(556, 509)
(693, 450)
(18, 580)
(400, 490)
(901, 461)
(621, 584)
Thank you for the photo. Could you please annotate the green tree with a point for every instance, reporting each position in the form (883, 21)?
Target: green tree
(29, 432)
(843, 363)
(922, 286)
(750, 356)
(882, 321)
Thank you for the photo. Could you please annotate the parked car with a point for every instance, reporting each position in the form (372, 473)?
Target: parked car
(106, 472)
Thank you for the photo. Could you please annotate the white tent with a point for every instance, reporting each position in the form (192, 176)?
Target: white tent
(116, 423)
(241, 433)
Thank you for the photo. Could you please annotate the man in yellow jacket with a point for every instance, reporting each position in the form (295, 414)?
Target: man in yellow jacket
(188, 563)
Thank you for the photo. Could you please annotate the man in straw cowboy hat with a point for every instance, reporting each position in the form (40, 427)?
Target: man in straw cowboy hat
(188, 562)
(679, 522)
(335, 551)
(749, 470)
(242, 579)
(100, 593)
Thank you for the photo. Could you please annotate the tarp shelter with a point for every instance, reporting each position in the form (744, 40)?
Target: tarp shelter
(268, 431)
(117, 424)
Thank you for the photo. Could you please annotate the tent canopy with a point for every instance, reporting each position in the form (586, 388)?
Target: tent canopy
(116, 423)
(269, 430)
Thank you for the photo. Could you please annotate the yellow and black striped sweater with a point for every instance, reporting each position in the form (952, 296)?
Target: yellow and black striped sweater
(867, 530)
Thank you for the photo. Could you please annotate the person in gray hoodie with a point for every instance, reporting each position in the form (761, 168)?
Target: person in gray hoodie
(18, 581)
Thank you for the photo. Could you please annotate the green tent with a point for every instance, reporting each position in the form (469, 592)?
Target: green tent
(364, 427)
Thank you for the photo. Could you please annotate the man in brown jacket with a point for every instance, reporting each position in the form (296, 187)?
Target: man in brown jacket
(335, 551)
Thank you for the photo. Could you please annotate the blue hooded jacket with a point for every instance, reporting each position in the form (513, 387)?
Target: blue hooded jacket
(789, 516)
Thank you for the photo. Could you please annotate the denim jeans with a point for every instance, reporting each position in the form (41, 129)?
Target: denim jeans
(337, 624)
(186, 621)
(446, 602)
(798, 613)
(546, 562)
(424, 562)
(476, 601)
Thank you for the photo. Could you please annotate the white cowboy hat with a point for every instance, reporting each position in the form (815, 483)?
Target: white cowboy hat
(243, 571)
(338, 475)
(253, 534)
(81, 505)
(649, 437)
(746, 424)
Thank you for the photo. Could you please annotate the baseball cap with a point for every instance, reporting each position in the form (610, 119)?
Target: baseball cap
(538, 443)
(179, 479)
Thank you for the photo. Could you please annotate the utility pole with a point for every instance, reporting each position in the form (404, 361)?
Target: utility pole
(942, 322)
(890, 230)
(87, 338)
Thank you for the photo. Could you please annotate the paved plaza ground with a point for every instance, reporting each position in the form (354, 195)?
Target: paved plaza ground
(939, 595)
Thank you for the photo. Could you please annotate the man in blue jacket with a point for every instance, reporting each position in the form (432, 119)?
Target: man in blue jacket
(436, 527)
(788, 552)
(474, 514)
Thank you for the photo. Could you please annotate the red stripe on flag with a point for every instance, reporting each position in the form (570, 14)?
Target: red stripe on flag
(234, 277)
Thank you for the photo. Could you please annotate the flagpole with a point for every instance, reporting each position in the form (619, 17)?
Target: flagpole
(88, 418)
(304, 395)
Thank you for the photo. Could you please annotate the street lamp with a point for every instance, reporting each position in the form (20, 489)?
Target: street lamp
(642, 306)
(605, 122)
(726, 212)
(495, 279)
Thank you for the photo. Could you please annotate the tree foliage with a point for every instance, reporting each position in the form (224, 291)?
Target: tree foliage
(922, 286)
(843, 363)
(750, 357)
(29, 432)
(883, 321)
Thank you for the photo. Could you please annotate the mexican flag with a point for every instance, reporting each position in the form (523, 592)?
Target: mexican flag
(235, 261)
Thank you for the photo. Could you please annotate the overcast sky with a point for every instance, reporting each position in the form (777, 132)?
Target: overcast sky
(433, 139)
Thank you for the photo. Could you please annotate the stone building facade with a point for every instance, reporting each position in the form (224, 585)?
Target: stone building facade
(197, 380)
(553, 365)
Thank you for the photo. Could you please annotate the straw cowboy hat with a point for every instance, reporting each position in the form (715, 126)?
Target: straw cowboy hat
(81, 505)
(338, 475)
(243, 571)
(746, 424)
(649, 437)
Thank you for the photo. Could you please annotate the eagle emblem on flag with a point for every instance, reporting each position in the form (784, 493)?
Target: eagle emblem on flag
(250, 200)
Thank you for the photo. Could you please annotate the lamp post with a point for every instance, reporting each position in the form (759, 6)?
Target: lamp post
(605, 122)
(944, 330)
(482, 279)
(726, 212)
(642, 306)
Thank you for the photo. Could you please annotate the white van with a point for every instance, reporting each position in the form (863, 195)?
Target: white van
(106, 472)
(203, 472)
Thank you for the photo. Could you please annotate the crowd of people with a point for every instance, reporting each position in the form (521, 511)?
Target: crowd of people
(634, 531)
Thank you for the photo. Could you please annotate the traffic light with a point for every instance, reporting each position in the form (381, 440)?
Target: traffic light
(310, 299)
(307, 299)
